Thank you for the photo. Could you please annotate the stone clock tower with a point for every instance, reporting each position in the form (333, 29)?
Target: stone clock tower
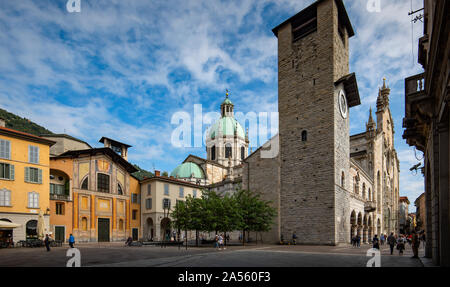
(314, 96)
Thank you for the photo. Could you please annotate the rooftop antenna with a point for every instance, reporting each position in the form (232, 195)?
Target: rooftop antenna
(413, 21)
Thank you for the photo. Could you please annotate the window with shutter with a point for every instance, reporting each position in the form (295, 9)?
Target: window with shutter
(181, 192)
(5, 197)
(6, 171)
(33, 175)
(166, 189)
(33, 154)
(5, 149)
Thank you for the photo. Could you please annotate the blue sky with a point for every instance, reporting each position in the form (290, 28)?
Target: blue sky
(122, 68)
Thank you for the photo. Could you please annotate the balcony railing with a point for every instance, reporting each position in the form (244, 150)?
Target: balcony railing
(415, 85)
(370, 206)
(54, 196)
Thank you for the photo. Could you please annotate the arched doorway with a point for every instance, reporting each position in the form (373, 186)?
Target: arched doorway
(370, 229)
(359, 231)
(150, 229)
(352, 225)
(6, 234)
(165, 228)
(31, 229)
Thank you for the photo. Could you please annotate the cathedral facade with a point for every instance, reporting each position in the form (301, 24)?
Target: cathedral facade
(326, 185)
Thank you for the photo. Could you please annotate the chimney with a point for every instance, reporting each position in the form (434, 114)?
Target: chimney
(2, 123)
(157, 173)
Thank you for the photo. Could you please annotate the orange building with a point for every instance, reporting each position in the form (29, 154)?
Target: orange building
(101, 195)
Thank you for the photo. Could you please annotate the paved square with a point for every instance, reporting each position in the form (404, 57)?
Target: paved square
(117, 255)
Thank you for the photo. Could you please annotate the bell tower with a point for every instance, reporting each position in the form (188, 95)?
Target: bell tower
(315, 92)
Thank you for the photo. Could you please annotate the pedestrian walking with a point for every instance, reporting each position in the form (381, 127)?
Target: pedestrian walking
(47, 242)
(382, 238)
(415, 243)
(358, 241)
(376, 242)
(71, 240)
(294, 238)
(216, 242)
(391, 241)
(221, 244)
(401, 244)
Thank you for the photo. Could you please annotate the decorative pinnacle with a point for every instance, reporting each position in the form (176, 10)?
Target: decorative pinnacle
(226, 93)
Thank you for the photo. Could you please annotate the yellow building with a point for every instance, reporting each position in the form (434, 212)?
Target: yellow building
(101, 191)
(159, 196)
(24, 182)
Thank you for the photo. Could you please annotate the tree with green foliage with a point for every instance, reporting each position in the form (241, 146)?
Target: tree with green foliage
(255, 213)
(243, 210)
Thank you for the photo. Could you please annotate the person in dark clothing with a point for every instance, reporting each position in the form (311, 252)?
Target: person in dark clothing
(294, 238)
(391, 241)
(47, 242)
(376, 242)
(415, 243)
(129, 241)
(358, 241)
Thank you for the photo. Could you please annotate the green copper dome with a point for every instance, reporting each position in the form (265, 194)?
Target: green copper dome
(188, 170)
(227, 126)
(227, 102)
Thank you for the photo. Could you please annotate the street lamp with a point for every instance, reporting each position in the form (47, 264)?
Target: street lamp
(166, 212)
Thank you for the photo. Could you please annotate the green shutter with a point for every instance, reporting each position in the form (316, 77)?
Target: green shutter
(27, 174)
(40, 176)
(11, 171)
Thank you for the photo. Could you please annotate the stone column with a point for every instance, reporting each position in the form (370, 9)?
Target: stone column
(75, 210)
(444, 234)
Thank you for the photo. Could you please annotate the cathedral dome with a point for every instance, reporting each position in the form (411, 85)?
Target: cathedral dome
(227, 126)
(188, 170)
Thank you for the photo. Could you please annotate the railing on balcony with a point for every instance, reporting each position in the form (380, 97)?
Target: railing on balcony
(55, 196)
(415, 85)
(370, 206)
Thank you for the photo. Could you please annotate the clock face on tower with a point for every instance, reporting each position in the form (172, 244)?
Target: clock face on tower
(343, 104)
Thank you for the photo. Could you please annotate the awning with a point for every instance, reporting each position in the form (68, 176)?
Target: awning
(8, 225)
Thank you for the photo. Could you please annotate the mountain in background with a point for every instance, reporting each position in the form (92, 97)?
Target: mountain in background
(141, 173)
(22, 124)
(25, 125)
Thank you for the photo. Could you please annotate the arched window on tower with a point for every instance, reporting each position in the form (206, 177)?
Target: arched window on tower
(304, 136)
(228, 151)
(213, 153)
(242, 152)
